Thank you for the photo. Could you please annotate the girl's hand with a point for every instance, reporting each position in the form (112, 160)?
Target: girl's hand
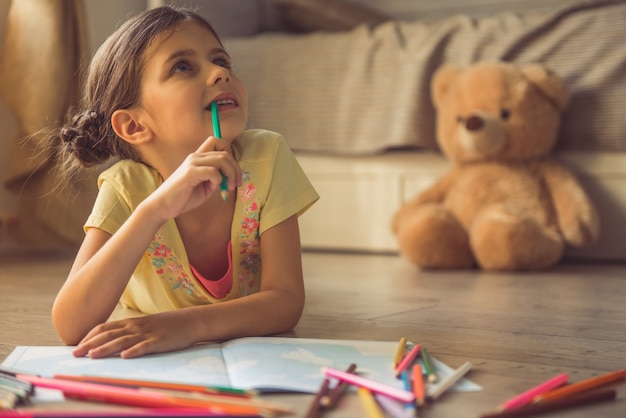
(134, 337)
(196, 179)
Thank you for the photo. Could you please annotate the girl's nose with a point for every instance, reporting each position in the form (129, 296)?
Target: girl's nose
(220, 74)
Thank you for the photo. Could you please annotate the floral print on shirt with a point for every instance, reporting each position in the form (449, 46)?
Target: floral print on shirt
(249, 256)
(167, 265)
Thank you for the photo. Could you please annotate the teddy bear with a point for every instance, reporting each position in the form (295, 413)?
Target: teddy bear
(505, 204)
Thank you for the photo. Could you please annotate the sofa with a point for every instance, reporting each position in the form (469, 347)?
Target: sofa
(354, 105)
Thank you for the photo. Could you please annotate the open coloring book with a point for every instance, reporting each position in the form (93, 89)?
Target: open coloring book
(262, 363)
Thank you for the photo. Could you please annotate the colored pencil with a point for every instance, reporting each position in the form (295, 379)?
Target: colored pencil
(10, 372)
(428, 366)
(408, 386)
(224, 400)
(137, 383)
(418, 385)
(316, 404)
(14, 382)
(556, 405)
(8, 400)
(332, 396)
(394, 408)
(406, 362)
(369, 403)
(581, 386)
(217, 132)
(139, 412)
(449, 380)
(353, 379)
(527, 397)
(133, 397)
(399, 352)
(18, 390)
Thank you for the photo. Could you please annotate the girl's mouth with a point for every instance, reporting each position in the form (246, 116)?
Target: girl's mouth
(223, 102)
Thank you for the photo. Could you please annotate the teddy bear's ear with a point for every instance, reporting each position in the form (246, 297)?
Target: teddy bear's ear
(441, 81)
(551, 85)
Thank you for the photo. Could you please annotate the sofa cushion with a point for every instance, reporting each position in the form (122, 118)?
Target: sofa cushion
(367, 90)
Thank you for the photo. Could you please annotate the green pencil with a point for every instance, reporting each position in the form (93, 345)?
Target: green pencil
(428, 366)
(217, 132)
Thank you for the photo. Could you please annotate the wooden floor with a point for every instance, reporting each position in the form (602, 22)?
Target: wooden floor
(517, 329)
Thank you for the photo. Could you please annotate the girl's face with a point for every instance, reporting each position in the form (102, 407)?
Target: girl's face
(186, 70)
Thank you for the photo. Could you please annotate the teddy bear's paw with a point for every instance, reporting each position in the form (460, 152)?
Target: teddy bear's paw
(506, 242)
(433, 238)
(580, 230)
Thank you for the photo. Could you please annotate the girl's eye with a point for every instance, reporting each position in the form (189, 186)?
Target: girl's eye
(223, 62)
(181, 67)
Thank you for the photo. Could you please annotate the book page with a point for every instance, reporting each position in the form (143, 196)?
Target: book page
(200, 365)
(295, 364)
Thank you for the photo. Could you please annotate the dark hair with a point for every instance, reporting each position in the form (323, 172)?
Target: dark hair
(87, 138)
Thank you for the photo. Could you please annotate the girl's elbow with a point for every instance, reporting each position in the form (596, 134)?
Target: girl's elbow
(66, 332)
(294, 315)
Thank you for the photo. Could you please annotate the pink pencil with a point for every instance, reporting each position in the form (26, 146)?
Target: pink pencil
(408, 359)
(353, 379)
(134, 397)
(526, 398)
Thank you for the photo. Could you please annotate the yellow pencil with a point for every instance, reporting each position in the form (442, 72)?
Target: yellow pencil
(399, 352)
(369, 403)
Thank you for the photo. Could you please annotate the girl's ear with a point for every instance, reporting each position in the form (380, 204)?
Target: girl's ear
(127, 126)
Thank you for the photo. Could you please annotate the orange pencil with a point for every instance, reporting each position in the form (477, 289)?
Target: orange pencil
(136, 383)
(418, 385)
(581, 386)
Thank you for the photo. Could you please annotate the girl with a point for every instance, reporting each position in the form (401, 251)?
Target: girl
(161, 241)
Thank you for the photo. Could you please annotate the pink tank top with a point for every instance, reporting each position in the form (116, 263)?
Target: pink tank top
(218, 288)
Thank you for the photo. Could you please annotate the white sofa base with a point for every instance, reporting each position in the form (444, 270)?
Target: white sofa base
(359, 196)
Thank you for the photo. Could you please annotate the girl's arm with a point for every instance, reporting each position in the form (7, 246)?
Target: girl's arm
(105, 262)
(99, 275)
(275, 309)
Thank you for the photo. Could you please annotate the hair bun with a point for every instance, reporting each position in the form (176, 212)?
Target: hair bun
(83, 135)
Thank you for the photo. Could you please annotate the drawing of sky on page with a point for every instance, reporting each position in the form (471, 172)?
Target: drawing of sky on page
(297, 362)
(202, 364)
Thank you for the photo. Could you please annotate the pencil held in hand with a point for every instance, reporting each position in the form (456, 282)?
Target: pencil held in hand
(217, 132)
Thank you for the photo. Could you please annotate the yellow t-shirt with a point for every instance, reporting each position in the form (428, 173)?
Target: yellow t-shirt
(274, 188)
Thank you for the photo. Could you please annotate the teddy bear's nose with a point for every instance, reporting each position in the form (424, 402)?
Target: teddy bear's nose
(474, 123)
